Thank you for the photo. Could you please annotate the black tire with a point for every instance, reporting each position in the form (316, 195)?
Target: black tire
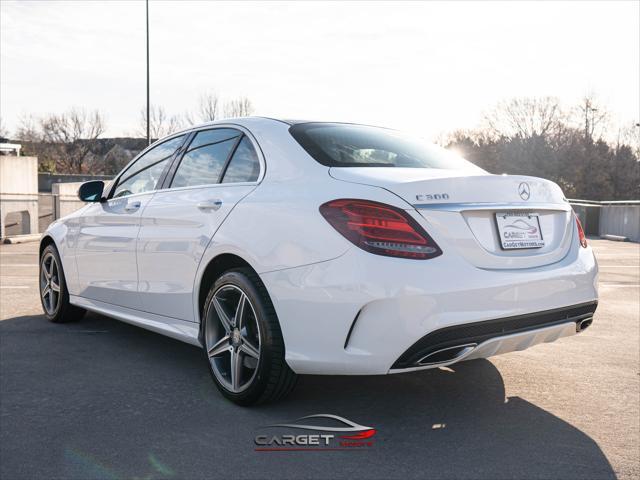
(63, 310)
(273, 378)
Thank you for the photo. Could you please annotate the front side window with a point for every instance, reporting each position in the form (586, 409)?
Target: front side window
(143, 181)
(244, 165)
(143, 175)
(204, 161)
(346, 145)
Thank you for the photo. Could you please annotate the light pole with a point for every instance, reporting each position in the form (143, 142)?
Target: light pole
(588, 126)
(148, 104)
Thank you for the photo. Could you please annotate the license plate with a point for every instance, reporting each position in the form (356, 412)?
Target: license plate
(519, 230)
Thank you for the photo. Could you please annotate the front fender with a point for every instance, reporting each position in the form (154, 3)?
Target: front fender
(63, 234)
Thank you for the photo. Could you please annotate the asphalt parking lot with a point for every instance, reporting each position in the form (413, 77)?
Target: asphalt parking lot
(102, 399)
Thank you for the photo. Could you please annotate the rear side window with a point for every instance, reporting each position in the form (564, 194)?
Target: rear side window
(244, 165)
(346, 145)
(204, 161)
(207, 137)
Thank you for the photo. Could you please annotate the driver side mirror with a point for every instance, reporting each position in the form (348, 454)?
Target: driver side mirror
(91, 191)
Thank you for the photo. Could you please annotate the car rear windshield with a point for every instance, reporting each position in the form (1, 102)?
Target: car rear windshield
(347, 145)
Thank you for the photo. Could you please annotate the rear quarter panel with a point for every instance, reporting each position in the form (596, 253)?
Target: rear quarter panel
(279, 225)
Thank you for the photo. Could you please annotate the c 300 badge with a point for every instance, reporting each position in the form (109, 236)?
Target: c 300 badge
(429, 197)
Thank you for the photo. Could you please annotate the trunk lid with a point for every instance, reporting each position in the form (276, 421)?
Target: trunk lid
(459, 210)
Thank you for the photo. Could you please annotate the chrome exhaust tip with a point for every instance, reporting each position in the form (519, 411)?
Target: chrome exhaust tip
(446, 355)
(584, 324)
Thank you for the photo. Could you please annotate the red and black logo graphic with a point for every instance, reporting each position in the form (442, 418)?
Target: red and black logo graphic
(331, 433)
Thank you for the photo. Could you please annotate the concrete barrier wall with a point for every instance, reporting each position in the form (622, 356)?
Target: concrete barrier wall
(19, 193)
(47, 180)
(66, 198)
(623, 220)
(18, 175)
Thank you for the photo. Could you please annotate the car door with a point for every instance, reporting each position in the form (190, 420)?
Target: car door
(108, 231)
(218, 168)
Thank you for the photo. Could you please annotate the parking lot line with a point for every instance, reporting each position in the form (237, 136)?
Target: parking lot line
(14, 287)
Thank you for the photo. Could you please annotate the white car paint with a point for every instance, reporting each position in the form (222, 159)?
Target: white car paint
(175, 231)
(400, 303)
(105, 250)
(141, 258)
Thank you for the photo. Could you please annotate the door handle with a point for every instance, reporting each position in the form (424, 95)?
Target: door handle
(210, 205)
(132, 206)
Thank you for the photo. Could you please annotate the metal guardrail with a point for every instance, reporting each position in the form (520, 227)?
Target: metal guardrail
(620, 218)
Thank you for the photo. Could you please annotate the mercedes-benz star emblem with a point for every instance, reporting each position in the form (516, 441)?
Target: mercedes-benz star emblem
(524, 191)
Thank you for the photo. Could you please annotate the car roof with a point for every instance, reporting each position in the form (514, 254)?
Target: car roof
(245, 121)
(253, 121)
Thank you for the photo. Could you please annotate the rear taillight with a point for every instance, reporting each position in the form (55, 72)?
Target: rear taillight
(581, 235)
(379, 228)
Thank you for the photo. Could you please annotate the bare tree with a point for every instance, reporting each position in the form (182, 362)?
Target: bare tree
(209, 107)
(189, 119)
(4, 133)
(593, 116)
(71, 137)
(28, 129)
(525, 117)
(238, 107)
(629, 134)
(161, 124)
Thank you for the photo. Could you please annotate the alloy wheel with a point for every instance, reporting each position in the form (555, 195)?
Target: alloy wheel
(50, 283)
(232, 337)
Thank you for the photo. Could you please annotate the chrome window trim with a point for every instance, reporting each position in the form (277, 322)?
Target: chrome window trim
(113, 200)
(206, 185)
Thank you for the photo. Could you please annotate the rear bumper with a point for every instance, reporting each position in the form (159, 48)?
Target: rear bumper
(493, 337)
(505, 344)
(358, 314)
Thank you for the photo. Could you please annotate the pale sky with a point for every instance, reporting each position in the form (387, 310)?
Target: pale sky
(425, 67)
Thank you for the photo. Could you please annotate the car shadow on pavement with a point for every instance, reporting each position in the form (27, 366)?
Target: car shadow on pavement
(103, 399)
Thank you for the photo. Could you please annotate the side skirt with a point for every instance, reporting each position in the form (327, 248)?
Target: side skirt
(171, 327)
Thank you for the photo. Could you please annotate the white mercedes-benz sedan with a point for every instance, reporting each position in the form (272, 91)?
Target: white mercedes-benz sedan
(290, 247)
